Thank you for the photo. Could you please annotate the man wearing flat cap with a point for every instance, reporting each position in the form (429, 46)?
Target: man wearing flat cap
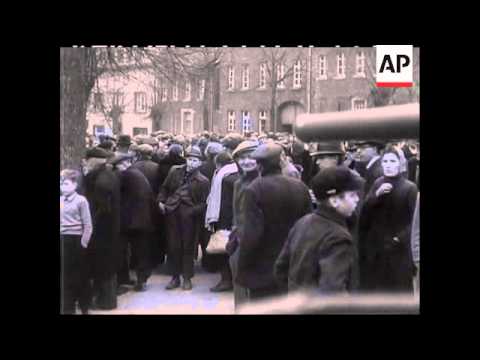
(182, 198)
(102, 190)
(136, 209)
(151, 170)
(272, 204)
(319, 251)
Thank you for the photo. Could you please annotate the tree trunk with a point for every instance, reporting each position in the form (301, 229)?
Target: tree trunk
(273, 120)
(77, 69)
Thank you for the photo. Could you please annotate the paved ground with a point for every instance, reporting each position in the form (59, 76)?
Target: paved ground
(158, 301)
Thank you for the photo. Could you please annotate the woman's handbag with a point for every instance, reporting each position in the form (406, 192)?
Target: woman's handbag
(218, 242)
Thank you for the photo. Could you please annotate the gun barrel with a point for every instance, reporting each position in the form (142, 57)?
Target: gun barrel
(389, 122)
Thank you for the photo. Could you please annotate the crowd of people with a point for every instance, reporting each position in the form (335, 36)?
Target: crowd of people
(333, 217)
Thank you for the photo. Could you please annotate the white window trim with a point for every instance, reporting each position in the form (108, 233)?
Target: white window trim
(188, 85)
(264, 87)
(356, 99)
(262, 118)
(231, 71)
(182, 119)
(229, 128)
(175, 92)
(324, 76)
(164, 94)
(135, 97)
(281, 85)
(297, 70)
(245, 76)
(337, 75)
(250, 122)
(360, 74)
(201, 90)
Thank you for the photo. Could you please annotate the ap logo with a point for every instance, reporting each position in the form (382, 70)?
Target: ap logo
(394, 65)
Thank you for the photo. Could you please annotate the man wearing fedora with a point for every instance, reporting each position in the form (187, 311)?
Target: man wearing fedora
(182, 198)
(123, 144)
(368, 164)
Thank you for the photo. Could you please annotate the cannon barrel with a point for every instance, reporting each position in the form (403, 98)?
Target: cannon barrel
(389, 122)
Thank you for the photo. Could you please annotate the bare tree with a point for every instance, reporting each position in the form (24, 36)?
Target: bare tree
(275, 58)
(80, 69)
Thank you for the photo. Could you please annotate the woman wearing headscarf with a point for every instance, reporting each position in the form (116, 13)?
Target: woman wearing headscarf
(219, 215)
(384, 244)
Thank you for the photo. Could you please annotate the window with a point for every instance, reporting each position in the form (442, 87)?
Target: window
(97, 102)
(297, 75)
(175, 91)
(342, 104)
(187, 121)
(322, 67)
(231, 78)
(231, 120)
(246, 121)
(201, 89)
(360, 65)
(98, 129)
(245, 77)
(164, 93)
(358, 103)
(280, 75)
(140, 102)
(188, 91)
(262, 83)
(117, 99)
(262, 121)
(139, 131)
(341, 66)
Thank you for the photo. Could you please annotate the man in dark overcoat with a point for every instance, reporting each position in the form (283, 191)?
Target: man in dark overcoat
(272, 204)
(182, 198)
(151, 170)
(102, 190)
(136, 220)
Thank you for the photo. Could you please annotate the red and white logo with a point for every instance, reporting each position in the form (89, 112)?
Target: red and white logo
(394, 65)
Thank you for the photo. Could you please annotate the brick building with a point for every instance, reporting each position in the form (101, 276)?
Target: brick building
(245, 89)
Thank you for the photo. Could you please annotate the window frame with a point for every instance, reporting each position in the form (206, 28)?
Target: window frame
(175, 91)
(360, 56)
(358, 98)
(135, 98)
(280, 70)
(297, 75)
(249, 121)
(262, 118)
(230, 78)
(342, 57)
(325, 67)
(262, 70)
(188, 86)
(231, 120)
(245, 77)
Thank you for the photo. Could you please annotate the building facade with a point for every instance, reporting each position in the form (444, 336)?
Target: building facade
(256, 89)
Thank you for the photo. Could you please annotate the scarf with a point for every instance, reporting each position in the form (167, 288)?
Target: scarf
(215, 196)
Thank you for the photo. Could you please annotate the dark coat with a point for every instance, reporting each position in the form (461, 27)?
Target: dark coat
(102, 190)
(238, 205)
(199, 190)
(165, 165)
(208, 168)
(372, 173)
(151, 171)
(386, 264)
(319, 254)
(273, 203)
(136, 201)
